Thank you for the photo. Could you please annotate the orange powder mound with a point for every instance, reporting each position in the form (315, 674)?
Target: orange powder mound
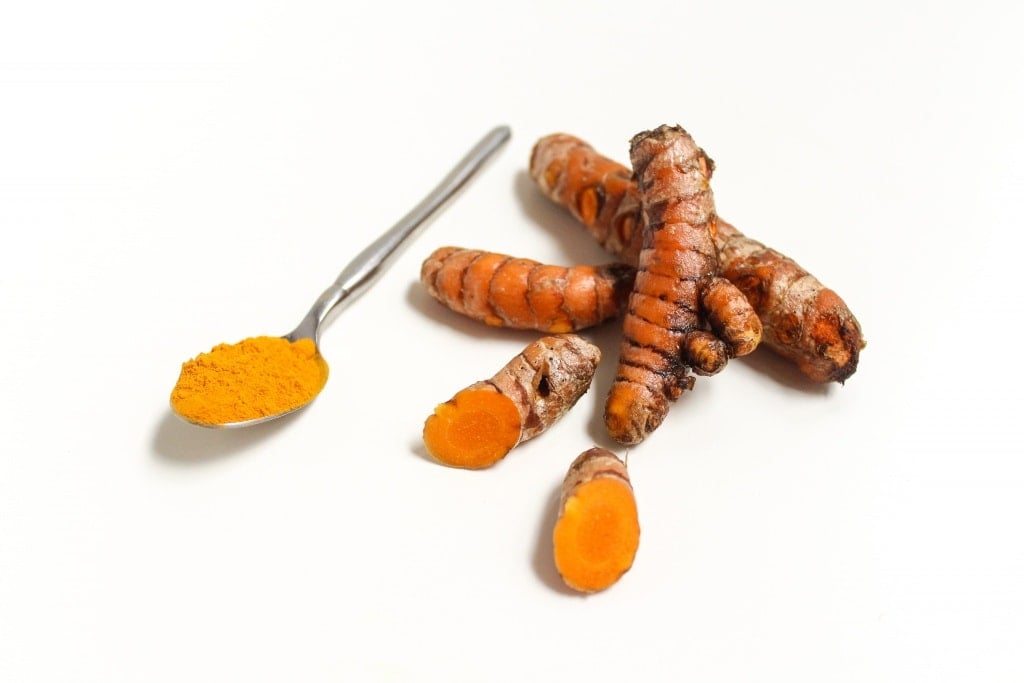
(254, 378)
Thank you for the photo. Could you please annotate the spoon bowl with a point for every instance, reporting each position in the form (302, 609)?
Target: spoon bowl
(308, 364)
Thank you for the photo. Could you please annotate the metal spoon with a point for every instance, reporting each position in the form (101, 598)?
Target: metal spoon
(371, 262)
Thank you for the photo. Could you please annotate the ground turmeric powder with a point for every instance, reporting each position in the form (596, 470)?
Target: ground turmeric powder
(598, 531)
(503, 291)
(677, 293)
(483, 422)
(804, 321)
(254, 378)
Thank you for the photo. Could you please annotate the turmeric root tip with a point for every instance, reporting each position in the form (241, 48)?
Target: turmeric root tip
(474, 429)
(597, 533)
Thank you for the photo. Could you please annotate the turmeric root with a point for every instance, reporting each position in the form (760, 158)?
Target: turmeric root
(483, 422)
(597, 532)
(677, 292)
(804, 321)
(599, 192)
(503, 291)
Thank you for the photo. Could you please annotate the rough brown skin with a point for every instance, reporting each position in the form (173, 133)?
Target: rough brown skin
(804, 321)
(598, 532)
(665, 331)
(503, 291)
(483, 422)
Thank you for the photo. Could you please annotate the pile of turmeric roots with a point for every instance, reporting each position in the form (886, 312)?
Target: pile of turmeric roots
(691, 291)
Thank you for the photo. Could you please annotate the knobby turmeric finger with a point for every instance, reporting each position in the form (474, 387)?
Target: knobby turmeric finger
(483, 422)
(598, 531)
(676, 294)
(599, 192)
(804, 321)
(503, 291)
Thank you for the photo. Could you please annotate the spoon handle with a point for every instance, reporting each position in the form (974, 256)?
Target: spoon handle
(360, 273)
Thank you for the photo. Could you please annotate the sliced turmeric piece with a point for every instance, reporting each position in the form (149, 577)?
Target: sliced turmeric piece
(677, 293)
(598, 531)
(519, 293)
(474, 429)
(804, 321)
(483, 422)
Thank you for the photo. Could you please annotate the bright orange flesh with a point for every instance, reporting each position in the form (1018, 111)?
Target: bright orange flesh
(475, 429)
(597, 535)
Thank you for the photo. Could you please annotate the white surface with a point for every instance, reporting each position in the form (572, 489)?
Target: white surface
(177, 175)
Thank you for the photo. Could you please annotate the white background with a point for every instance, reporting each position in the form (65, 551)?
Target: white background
(175, 175)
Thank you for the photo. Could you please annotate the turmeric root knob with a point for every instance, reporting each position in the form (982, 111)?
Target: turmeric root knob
(809, 325)
(598, 531)
(483, 422)
(662, 338)
(804, 321)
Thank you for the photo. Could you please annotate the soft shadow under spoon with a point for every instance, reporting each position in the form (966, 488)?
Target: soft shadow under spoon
(357, 276)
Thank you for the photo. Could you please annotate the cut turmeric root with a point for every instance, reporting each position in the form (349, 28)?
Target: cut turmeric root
(804, 321)
(483, 422)
(598, 531)
(503, 291)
